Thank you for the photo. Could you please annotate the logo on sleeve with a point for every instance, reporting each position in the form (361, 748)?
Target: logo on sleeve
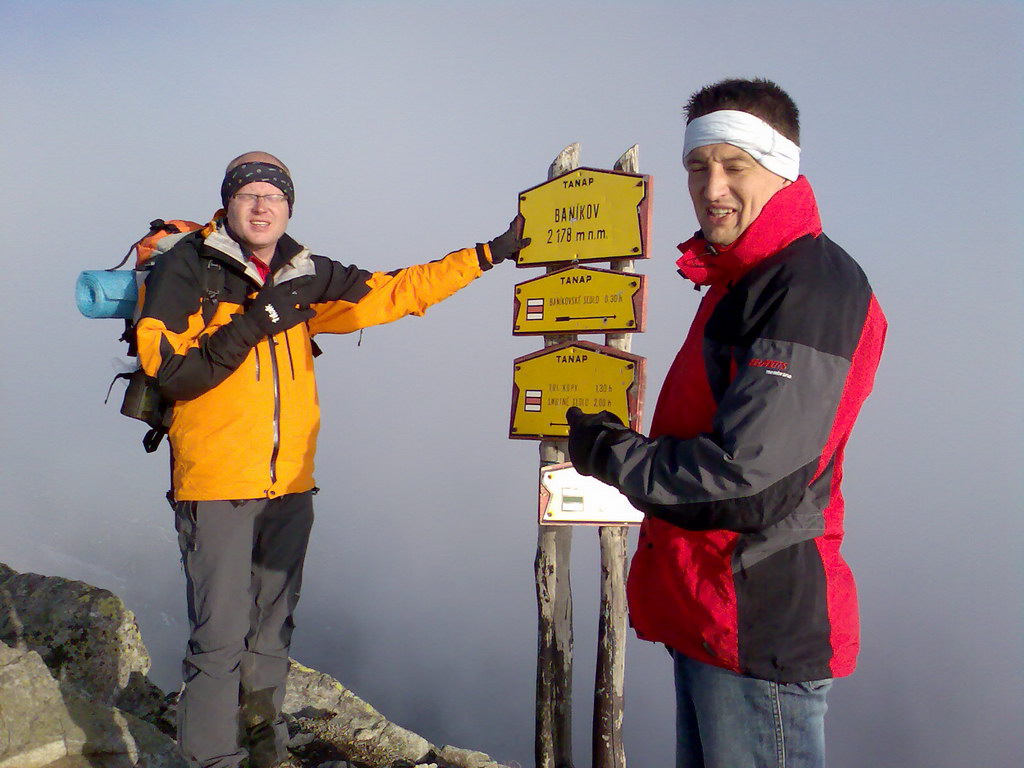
(771, 367)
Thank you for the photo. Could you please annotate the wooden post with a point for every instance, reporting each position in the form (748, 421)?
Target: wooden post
(553, 731)
(608, 750)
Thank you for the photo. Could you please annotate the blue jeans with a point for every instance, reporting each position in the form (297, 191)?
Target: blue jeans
(726, 720)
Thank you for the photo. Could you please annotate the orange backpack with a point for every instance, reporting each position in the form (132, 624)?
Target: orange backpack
(158, 240)
(142, 400)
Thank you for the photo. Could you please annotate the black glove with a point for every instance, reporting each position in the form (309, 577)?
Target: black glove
(277, 308)
(585, 433)
(509, 243)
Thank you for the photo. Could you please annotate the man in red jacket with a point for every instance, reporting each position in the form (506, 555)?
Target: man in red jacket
(738, 570)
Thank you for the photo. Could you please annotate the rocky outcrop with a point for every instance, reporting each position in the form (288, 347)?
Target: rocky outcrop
(331, 722)
(73, 683)
(78, 650)
(88, 639)
(40, 723)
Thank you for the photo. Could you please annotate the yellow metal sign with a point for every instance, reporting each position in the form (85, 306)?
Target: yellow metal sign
(590, 376)
(585, 215)
(580, 300)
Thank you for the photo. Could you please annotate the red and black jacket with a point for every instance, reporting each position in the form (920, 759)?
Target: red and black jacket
(738, 562)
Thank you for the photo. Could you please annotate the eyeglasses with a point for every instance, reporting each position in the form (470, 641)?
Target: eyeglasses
(250, 199)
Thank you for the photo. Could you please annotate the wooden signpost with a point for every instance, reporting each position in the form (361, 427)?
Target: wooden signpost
(580, 215)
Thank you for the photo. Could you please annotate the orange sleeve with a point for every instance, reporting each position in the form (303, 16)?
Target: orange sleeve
(393, 295)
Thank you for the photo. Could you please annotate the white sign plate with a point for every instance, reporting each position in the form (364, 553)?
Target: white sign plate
(569, 498)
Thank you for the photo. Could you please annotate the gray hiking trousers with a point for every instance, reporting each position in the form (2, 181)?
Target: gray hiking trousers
(243, 570)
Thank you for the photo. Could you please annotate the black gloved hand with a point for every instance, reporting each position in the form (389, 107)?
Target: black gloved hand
(277, 308)
(509, 243)
(274, 309)
(585, 433)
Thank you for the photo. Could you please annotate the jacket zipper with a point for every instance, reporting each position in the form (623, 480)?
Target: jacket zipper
(291, 363)
(277, 408)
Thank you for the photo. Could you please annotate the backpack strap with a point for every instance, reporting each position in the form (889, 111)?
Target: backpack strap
(128, 337)
(151, 440)
(211, 284)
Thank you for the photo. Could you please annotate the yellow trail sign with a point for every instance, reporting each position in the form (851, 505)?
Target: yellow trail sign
(586, 215)
(590, 376)
(580, 300)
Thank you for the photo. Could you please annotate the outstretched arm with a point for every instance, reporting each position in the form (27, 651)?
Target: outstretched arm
(348, 298)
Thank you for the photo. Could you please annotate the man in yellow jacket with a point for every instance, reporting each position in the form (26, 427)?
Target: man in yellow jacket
(226, 330)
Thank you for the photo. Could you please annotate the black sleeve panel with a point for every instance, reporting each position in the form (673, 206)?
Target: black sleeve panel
(203, 367)
(789, 328)
(335, 281)
(657, 475)
(173, 345)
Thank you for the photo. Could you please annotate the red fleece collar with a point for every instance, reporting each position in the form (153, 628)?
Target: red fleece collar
(263, 269)
(790, 214)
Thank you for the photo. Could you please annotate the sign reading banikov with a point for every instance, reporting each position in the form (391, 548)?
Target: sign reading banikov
(585, 215)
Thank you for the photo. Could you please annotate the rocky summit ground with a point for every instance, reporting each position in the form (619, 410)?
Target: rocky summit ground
(74, 693)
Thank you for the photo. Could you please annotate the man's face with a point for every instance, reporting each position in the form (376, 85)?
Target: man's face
(729, 189)
(259, 223)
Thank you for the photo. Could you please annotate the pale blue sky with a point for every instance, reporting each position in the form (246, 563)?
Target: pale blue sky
(409, 129)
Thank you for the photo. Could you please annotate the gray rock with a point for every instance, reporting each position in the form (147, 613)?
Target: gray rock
(119, 737)
(466, 758)
(342, 721)
(33, 719)
(346, 729)
(74, 694)
(86, 636)
(40, 724)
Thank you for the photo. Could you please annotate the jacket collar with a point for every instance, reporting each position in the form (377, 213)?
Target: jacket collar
(290, 260)
(790, 214)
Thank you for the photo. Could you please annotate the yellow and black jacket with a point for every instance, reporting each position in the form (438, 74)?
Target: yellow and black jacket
(245, 411)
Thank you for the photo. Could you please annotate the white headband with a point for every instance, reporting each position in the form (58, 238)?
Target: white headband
(751, 134)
